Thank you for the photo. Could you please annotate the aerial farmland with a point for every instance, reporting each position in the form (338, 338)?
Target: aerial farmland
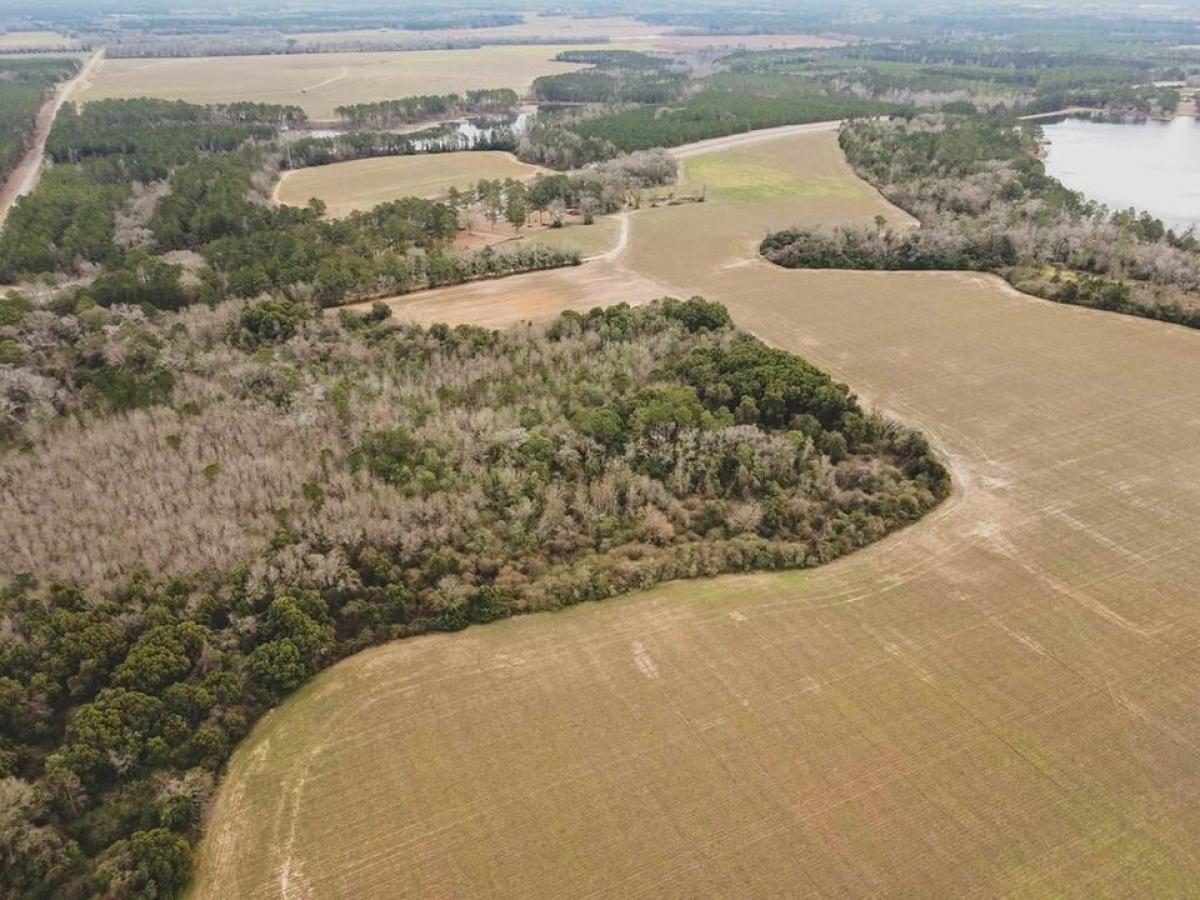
(722, 452)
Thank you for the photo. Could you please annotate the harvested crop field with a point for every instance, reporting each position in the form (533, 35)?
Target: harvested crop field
(1000, 700)
(564, 28)
(25, 41)
(318, 82)
(623, 32)
(364, 183)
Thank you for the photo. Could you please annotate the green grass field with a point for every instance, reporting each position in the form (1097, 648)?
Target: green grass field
(590, 240)
(750, 178)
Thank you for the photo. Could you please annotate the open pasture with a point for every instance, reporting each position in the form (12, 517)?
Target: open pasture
(364, 183)
(998, 701)
(319, 82)
(523, 298)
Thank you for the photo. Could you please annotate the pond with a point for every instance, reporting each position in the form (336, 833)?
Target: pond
(1149, 164)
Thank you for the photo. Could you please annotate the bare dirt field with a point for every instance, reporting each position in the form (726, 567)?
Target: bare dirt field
(999, 701)
(318, 82)
(531, 297)
(364, 183)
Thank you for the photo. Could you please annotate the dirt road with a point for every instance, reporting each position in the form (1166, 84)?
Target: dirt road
(24, 177)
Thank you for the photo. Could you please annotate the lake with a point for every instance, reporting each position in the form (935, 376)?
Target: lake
(1145, 163)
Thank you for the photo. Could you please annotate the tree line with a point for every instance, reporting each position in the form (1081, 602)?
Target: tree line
(390, 113)
(985, 202)
(716, 113)
(24, 86)
(445, 138)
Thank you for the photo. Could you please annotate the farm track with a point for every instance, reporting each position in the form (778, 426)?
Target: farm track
(1002, 700)
(24, 177)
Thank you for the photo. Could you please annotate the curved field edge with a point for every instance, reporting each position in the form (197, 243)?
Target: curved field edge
(998, 700)
(837, 185)
(362, 184)
(886, 247)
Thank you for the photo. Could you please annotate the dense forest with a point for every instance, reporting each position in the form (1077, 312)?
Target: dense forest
(985, 203)
(390, 113)
(716, 113)
(24, 85)
(337, 483)
(137, 178)
(613, 76)
(627, 101)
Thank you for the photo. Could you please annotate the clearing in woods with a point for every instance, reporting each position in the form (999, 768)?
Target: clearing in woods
(319, 82)
(999, 700)
(364, 183)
